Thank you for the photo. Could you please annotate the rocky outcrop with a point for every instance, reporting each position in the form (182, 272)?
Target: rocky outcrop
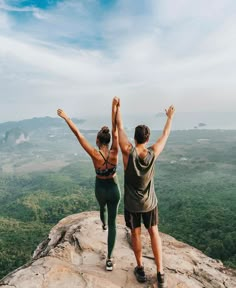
(74, 255)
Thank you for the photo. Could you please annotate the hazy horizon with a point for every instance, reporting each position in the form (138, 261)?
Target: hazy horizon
(181, 121)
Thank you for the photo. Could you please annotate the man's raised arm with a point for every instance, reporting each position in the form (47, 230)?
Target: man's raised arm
(161, 142)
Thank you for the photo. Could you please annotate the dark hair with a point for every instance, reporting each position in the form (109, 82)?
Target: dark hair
(141, 134)
(104, 135)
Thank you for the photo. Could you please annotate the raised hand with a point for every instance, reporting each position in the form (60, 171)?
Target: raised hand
(62, 114)
(116, 101)
(170, 112)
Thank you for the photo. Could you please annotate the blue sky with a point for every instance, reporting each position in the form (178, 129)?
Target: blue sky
(77, 55)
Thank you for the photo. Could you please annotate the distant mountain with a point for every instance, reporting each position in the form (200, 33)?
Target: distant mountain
(182, 121)
(33, 124)
(15, 136)
(26, 133)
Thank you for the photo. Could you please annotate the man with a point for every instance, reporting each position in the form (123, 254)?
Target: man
(140, 200)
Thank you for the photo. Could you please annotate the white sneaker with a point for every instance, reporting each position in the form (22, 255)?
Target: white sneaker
(109, 265)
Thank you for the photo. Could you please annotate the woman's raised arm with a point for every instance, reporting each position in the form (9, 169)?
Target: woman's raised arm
(115, 140)
(82, 140)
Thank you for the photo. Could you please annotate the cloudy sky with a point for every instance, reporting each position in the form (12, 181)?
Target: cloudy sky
(78, 54)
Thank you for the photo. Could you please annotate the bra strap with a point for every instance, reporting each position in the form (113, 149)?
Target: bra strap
(102, 156)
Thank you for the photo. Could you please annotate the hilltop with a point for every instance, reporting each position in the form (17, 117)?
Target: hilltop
(74, 254)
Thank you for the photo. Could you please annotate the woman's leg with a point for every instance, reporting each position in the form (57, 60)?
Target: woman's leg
(112, 205)
(100, 193)
(103, 215)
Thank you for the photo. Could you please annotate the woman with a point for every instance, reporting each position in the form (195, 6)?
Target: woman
(105, 161)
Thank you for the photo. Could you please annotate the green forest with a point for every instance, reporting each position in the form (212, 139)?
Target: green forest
(195, 184)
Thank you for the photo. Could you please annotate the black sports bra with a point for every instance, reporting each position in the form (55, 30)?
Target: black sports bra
(107, 171)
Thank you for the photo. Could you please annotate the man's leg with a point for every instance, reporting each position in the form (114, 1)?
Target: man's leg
(150, 220)
(133, 221)
(156, 247)
(137, 248)
(137, 244)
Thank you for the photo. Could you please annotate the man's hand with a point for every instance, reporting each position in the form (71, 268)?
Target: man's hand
(170, 112)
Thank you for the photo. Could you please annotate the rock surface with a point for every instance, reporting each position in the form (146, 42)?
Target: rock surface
(74, 255)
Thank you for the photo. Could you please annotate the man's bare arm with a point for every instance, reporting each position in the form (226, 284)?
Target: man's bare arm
(161, 142)
(124, 143)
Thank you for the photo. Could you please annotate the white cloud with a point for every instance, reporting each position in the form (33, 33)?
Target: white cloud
(4, 22)
(82, 66)
(161, 54)
(171, 11)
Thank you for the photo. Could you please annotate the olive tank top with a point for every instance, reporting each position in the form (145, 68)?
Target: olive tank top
(139, 189)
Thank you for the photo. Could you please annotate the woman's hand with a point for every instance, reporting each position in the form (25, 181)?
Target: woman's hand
(62, 114)
(170, 112)
(116, 102)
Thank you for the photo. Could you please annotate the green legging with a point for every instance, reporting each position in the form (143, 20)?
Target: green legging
(107, 192)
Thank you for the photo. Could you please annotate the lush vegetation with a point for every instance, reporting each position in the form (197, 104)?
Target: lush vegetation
(195, 184)
(197, 192)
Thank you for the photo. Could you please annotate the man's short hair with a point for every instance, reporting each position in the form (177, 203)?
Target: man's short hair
(141, 134)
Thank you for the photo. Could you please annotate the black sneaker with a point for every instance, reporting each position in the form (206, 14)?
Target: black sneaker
(109, 265)
(161, 283)
(140, 274)
(104, 227)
